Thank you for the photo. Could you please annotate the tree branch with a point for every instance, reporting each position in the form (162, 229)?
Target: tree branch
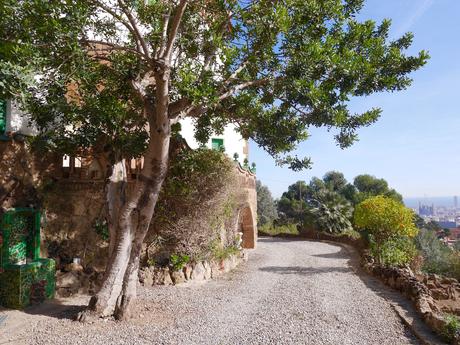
(236, 72)
(174, 29)
(120, 18)
(137, 33)
(164, 35)
(234, 89)
(107, 46)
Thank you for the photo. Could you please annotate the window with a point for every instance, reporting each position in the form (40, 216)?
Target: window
(3, 114)
(217, 144)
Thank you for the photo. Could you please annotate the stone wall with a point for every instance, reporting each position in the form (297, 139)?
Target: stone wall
(72, 203)
(431, 295)
(198, 271)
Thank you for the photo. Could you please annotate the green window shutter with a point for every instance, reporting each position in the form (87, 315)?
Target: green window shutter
(217, 144)
(2, 117)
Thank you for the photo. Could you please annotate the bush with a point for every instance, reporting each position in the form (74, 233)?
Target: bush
(198, 205)
(386, 221)
(332, 212)
(220, 253)
(451, 329)
(396, 252)
(274, 230)
(178, 261)
(437, 257)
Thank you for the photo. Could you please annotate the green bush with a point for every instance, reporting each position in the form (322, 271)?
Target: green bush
(395, 252)
(351, 233)
(437, 257)
(273, 230)
(451, 329)
(388, 223)
(102, 229)
(223, 253)
(332, 212)
(178, 261)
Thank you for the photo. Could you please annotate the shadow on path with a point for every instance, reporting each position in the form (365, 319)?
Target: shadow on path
(55, 308)
(301, 270)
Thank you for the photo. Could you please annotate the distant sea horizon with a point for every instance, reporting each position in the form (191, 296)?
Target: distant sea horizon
(446, 201)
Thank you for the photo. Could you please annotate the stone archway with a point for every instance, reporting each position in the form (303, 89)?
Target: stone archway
(248, 227)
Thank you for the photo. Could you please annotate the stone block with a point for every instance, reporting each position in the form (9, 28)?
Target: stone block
(178, 277)
(198, 272)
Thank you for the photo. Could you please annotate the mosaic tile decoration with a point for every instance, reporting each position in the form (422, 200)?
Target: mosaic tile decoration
(24, 277)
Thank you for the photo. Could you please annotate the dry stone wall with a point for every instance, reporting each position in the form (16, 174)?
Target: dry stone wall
(432, 296)
(198, 272)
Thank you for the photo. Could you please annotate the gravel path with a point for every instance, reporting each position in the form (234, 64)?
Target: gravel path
(289, 292)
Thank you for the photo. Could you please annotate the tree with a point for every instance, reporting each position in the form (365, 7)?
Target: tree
(368, 186)
(114, 76)
(386, 220)
(292, 205)
(335, 181)
(266, 207)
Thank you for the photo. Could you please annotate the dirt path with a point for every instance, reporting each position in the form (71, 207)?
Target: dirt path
(290, 292)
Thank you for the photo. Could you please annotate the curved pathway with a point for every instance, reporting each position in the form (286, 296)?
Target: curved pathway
(289, 292)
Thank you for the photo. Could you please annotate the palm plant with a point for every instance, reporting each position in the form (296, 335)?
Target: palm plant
(332, 211)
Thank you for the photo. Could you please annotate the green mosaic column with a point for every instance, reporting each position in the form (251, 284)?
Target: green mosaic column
(21, 283)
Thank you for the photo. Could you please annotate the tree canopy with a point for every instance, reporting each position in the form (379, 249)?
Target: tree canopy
(266, 207)
(274, 69)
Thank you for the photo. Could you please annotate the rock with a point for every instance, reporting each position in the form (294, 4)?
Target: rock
(146, 277)
(207, 270)
(73, 267)
(215, 269)
(187, 271)
(167, 277)
(162, 277)
(449, 281)
(439, 294)
(178, 277)
(423, 306)
(198, 272)
(435, 320)
(431, 286)
(68, 280)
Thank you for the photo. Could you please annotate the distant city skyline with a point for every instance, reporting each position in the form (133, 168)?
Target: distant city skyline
(415, 145)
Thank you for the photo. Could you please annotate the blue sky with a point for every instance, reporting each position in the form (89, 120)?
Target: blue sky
(415, 145)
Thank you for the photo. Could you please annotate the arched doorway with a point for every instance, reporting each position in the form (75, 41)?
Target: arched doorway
(246, 226)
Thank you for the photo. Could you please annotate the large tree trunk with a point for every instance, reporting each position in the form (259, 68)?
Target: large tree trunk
(130, 215)
(129, 220)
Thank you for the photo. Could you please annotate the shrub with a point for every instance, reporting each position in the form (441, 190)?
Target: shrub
(197, 204)
(220, 253)
(436, 255)
(102, 229)
(266, 206)
(451, 329)
(386, 220)
(351, 233)
(178, 261)
(332, 212)
(273, 230)
(395, 252)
